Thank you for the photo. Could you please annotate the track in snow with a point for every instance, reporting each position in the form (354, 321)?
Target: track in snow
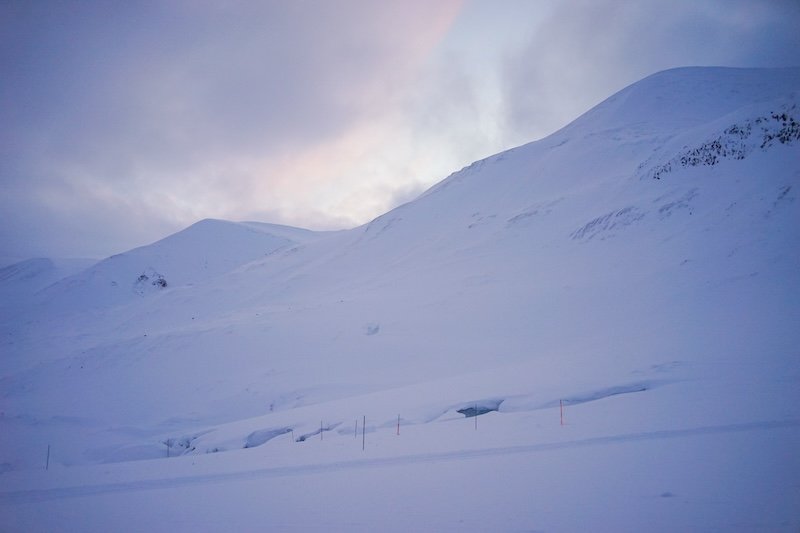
(38, 495)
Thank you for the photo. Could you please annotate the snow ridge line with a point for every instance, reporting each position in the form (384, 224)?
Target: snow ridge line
(38, 495)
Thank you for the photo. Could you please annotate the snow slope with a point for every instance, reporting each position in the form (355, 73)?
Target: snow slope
(202, 251)
(21, 280)
(639, 268)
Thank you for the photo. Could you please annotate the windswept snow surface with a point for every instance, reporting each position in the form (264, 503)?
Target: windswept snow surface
(21, 280)
(619, 301)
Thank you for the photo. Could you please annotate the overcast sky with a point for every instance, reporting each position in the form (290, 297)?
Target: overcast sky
(122, 122)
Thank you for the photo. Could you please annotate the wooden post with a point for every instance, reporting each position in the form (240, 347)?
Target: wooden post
(398, 424)
(47, 463)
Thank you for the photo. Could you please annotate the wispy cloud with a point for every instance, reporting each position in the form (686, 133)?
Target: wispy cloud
(198, 108)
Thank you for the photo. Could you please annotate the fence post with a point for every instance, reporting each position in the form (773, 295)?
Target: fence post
(47, 462)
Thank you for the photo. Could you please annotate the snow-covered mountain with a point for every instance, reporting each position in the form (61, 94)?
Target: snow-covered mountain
(202, 251)
(641, 266)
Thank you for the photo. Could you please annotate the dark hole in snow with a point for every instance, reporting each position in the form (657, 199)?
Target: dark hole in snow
(605, 393)
(480, 408)
(257, 438)
(330, 427)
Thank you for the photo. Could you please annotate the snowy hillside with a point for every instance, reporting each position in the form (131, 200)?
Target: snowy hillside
(23, 279)
(202, 251)
(639, 269)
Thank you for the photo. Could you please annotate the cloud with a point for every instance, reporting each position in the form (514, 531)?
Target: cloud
(58, 221)
(185, 77)
(182, 110)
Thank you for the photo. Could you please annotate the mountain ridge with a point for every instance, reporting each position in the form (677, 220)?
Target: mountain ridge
(563, 253)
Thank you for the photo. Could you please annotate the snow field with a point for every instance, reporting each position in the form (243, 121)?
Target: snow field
(675, 455)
